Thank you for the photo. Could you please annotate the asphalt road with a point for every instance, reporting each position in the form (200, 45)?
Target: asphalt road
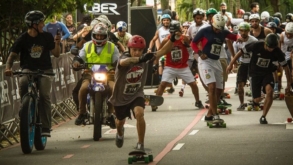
(176, 134)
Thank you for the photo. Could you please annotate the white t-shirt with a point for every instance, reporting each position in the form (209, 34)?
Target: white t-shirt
(237, 46)
(163, 32)
(287, 46)
(193, 29)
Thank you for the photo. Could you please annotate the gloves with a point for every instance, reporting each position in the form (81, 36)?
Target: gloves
(146, 57)
(172, 38)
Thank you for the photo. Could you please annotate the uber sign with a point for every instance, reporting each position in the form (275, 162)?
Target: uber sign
(104, 8)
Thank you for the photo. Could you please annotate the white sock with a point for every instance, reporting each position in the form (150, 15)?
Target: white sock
(183, 86)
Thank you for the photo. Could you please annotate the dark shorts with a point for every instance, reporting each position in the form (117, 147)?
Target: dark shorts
(122, 112)
(259, 83)
(242, 74)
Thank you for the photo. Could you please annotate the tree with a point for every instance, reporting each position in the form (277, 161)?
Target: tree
(13, 12)
(164, 4)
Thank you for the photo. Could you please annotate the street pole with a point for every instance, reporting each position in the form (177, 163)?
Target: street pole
(129, 17)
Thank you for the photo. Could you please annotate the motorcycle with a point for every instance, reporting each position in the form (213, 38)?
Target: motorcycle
(99, 93)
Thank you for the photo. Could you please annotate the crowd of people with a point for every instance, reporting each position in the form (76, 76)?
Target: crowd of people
(259, 45)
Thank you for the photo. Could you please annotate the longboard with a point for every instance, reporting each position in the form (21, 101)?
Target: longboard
(153, 100)
(250, 106)
(139, 155)
(216, 124)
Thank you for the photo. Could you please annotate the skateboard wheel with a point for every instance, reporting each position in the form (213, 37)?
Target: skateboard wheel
(151, 158)
(230, 111)
(146, 159)
(228, 96)
(129, 160)
(249, 108)
(289, 120)
(226, 112)
(206, 106)
(256, 108)
(282, 96)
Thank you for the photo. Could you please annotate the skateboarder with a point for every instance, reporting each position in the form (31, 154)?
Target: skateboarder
(263, 53)
(128, 96)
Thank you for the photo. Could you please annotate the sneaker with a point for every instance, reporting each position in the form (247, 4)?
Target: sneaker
(181, 92)
(80, 119)
(223, 102)
(263, 120)
(210, 118)
(139, 147)
(241, 107)
(111, 121)
(171, 90)
(175, 81)
(119, 142)
(46, 132)
(199, 104)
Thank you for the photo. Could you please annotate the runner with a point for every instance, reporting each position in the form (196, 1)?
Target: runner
(212, 38)
(242, 74)
(260, 69)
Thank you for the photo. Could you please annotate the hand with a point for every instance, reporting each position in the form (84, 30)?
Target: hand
(229, 68)
(8, 72)
(146, 57)
(75, 64)
(57, 38)
(203, 56)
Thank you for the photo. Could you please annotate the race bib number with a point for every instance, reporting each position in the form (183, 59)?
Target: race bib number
(36, 51)
(131, 89)
(289, 48)
(264, 63)
(176, 55)
(246, 55)
(216, 49)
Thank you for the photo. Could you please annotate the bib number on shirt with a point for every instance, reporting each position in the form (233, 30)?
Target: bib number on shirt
(131, 89)
(246, 55)
(216, 49)
(264, 63)
(176, 55)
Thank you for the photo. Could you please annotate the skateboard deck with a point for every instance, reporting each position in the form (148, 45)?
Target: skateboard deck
(153, 100)
(139, 155)
(216, 124)
(250, 106)
(289, 102)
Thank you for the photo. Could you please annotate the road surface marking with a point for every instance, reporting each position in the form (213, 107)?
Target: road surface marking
(68, 156)
(289, 126)
(111, 131)
(202, 119)
(171, 144)
(193, 132)
(178, 146)
(85, 146)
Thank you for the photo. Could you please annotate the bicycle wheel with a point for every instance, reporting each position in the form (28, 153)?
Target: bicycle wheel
(98, 120)
(27, 125)
(40, 141)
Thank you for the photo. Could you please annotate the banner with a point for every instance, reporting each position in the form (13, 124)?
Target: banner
(64, 82)
(115, 10)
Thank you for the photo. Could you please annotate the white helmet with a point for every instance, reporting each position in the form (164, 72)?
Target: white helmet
(254, 16)
(100, 29)
(289, 27)
(121, 26)
(265, 16)
(218, 21)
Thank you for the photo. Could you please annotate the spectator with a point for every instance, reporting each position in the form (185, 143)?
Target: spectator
(72, 30)
(254, 8)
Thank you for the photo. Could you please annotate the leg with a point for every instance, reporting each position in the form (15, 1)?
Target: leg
(212, 99)
(268, 100)
(241, 92)
(82, 97)
(140, 123)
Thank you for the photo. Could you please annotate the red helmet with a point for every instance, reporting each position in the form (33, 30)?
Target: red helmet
(136, 41)
(240, 11)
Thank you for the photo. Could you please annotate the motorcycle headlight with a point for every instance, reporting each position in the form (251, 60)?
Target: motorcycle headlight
(99, 76)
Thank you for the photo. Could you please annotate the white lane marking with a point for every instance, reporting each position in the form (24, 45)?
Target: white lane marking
(202, 119)
(289, 126)
(178, 146)
(193, 132)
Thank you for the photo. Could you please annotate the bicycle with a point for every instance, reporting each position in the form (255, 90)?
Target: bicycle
(30, 123)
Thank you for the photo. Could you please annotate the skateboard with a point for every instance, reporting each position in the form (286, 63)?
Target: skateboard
(139, 155)
(222, 109)
(280, 96)
(250, 106)
(216, 124)
(153, 100)
(248, 93)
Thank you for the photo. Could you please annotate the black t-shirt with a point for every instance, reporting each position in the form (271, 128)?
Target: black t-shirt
(112, 37)
(34, 51)
(261, 62)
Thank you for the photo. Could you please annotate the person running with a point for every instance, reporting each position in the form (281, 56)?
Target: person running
(128, 96)
(176, 63)
(242, 74)
(35, 47)
(263, 53)
(212, 39)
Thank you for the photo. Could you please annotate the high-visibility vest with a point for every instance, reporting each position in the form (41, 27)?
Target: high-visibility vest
(104, 57)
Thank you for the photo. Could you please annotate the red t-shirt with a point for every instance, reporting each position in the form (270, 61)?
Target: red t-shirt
(178, 56)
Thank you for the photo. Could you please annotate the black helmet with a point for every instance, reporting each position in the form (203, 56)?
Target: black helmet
(175, 26)
(271, 40)
(278, 14)
(34, 17)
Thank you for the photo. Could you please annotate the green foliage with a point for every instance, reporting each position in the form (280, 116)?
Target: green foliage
(13, 12)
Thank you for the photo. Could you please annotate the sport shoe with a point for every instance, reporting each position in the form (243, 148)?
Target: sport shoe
(139, 147)
(181, 92)
(223, 102)
(119, 142)
(80, 119)
(241, 107)
(210, 118)
(199, 104)
(263, 120)
(171, 90)
(46, 132)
